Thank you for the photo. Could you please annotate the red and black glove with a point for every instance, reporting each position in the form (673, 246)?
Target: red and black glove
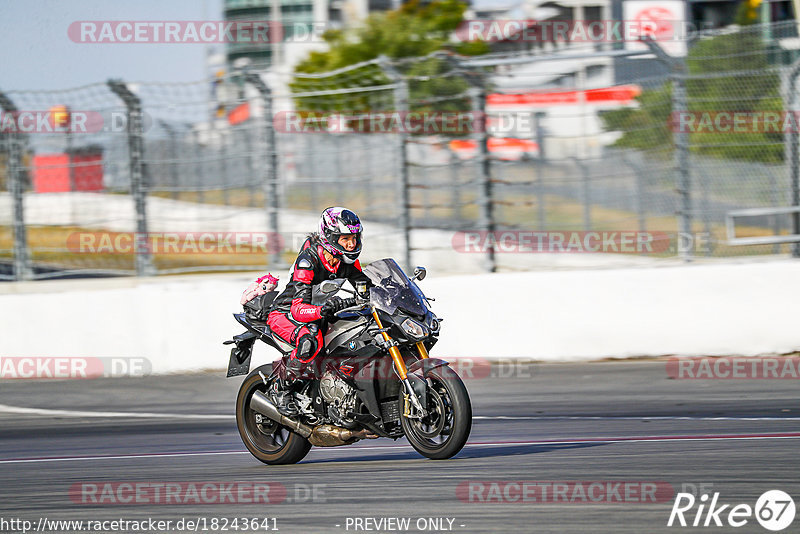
(331, 306)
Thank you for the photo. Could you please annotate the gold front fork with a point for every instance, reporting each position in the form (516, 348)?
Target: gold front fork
(399, 364)
(409, 397)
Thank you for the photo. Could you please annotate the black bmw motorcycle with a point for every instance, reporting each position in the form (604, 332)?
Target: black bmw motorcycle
(375, 379)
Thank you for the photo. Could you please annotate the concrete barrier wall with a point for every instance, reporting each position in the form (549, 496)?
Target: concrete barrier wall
(178, 323)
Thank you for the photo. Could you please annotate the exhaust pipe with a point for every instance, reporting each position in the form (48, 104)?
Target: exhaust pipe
(260, 403)
(320, 435)
(334, 436)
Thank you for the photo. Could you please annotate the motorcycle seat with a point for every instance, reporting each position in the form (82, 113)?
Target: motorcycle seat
(282, 345)
(264, 331)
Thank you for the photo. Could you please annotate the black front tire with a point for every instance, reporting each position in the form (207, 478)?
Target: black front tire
(270, 442)
(445, 431)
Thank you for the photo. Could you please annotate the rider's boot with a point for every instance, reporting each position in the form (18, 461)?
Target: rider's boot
(282, 397)
(282, 389)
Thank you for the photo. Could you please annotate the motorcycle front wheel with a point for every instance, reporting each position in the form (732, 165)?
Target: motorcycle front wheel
(444, 431)
(267, 440)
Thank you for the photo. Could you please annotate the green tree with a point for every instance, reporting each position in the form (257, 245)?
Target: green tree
(728, 72)
(742, 80)
(646, 127)
(414, 30)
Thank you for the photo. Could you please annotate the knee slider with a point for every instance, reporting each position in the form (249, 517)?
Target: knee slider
(306, 346)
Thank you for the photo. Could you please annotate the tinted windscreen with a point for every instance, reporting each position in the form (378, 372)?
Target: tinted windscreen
(393, 289)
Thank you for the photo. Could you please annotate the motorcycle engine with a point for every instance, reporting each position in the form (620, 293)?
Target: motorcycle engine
(340, 397)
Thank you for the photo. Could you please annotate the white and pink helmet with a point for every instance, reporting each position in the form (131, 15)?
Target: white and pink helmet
(334, 223)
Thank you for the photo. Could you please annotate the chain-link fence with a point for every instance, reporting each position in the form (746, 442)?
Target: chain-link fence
(467, 163)
(738, 99)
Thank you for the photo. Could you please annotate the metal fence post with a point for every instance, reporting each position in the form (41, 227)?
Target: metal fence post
(223, 162)
(639, 192)
(541, 209)
(681, 139)
(16, 186)
(199, 166)
(789, 87)
(486, 202)
(144, 263)
(371, 173)
(271, 168)
(173, 156)
(401, 107)
(773, 219)
(313, 176)
(455, 184)
(339, 181)
(247, 143)
(705, 209)
(586, 194)
(678, 74)
(70, 154)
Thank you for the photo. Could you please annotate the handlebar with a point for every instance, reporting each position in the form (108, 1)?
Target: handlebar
(357, 307)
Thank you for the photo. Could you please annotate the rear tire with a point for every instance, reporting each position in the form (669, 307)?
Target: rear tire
(269, 441)
(444, 432)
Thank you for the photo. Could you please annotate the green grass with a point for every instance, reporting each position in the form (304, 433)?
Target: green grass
(49, 244)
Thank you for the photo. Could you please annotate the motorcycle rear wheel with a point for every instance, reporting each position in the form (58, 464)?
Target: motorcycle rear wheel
(444, 432)
(267, 440)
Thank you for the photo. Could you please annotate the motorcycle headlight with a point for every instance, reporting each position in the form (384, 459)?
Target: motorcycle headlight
(414, 329)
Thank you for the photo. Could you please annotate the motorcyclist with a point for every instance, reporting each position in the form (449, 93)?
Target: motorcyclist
(330, 253)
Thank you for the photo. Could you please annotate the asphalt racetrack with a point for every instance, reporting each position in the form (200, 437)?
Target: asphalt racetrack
(597, 447)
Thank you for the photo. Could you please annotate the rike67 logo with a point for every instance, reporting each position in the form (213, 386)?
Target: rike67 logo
(774, 510)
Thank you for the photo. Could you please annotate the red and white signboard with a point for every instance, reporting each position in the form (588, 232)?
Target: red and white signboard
(617, 95)
(504, 148)
(663, 20)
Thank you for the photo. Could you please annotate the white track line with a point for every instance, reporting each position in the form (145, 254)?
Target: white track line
(117, 457)
(636, 439)
(4, 408)
(631, 418)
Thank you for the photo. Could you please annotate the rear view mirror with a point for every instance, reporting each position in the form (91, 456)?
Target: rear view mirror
(329, 286)
(420, 273)
(361, 289)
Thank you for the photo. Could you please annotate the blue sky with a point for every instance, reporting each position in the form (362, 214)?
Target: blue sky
(37, 53)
